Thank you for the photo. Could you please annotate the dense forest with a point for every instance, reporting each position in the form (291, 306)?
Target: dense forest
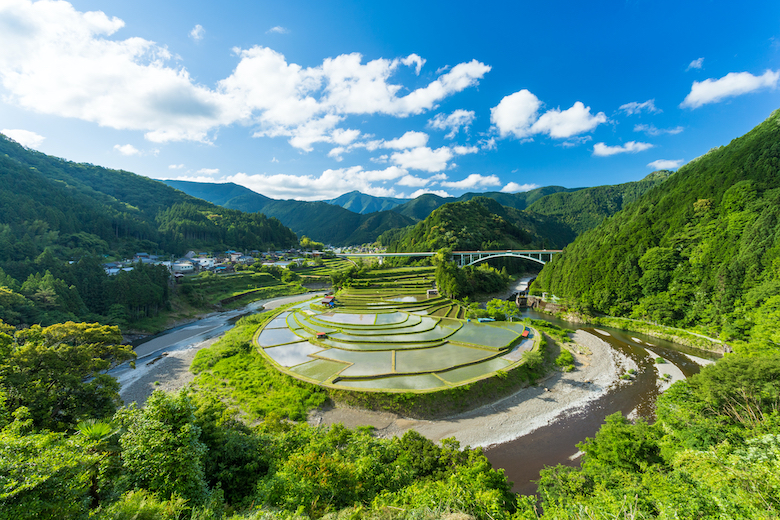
(701, 250)
(586, 208)
(61, 220)
(480, 224)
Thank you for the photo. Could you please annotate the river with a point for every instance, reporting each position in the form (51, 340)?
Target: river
(524, 457)
(555, 443)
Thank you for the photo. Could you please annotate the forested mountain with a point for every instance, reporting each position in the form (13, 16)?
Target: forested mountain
(319, 221)
(59, 220)
(701, 249)
(361, 203)
(422, 206)
(586, 208)
(480, 224)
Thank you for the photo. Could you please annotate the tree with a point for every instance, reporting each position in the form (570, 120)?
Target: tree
(58, 372)
(164, 436)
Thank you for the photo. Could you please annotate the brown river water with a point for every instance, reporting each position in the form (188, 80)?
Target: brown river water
(522, 459)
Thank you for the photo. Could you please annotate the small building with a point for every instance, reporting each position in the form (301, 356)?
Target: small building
(328, 301)
(321, 335)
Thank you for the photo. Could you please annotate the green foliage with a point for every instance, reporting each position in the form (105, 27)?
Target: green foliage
(57, 372)
(163, 435)
(482, 224)
(235, 371)
(42, 475)
(565, 359)
(699, 250)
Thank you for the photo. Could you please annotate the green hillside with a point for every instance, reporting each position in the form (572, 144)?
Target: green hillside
(422, 206)
(319, 221)
(60, 220)
(585, 208)
(702, 249)
(480, 224)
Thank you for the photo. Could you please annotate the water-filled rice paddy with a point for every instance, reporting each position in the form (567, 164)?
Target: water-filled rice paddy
(406, 343)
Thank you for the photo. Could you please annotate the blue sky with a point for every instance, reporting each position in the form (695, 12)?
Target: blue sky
(309, 100)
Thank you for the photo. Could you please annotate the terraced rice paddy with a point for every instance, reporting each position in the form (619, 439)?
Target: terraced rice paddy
(389, 339)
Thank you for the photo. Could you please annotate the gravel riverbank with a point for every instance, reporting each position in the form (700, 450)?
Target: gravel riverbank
(512, 417)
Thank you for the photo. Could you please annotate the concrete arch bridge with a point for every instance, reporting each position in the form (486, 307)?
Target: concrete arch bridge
(464, 258)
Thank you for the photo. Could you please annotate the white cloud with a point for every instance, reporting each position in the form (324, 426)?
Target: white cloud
(208, 171)
(602, 150)
(413, 181)
(423, 158)
(440, 193)
(127, 149)
(175, 166)
(454, 122)
(330, 184)
(514, 187)
(517, 113)
(406, 141)
(415, 60)
(637, 108)
(60, 61)
(730, 85)
(274, 160)
(652, 130)
(473, 181)
(277, 30)
(665, 164)
(197, 32)
(24, 137)
(567, 123)
(695, 64)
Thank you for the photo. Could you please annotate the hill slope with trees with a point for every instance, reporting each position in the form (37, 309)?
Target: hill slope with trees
(480, 224)
(700, 250)
(60, 220)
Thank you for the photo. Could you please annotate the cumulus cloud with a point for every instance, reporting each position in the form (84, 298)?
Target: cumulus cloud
(695, 64)
(517, 115)
(60, 61)
(197, 32)
(652, 130)
(474, 180)
(24, 137)
(423, 158)
(408, 140)
(637, 108)
(208, 171)
(127, 149)
(602, 150)
(440, 193)
(731, 85)
(665, 164)
(415, 60)
(330, 184)
(514, 187)
(277, 30)
(175, 166)
(413, 181)
(453, 122)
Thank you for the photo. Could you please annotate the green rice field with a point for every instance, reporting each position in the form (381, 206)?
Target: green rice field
(392, 339)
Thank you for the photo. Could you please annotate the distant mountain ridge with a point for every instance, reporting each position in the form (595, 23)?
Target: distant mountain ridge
(319, 221)
(358, 202)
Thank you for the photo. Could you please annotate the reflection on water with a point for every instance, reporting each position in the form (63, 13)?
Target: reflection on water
(523, 458)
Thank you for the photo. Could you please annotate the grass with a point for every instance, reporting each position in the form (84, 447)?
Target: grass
(234, 371)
